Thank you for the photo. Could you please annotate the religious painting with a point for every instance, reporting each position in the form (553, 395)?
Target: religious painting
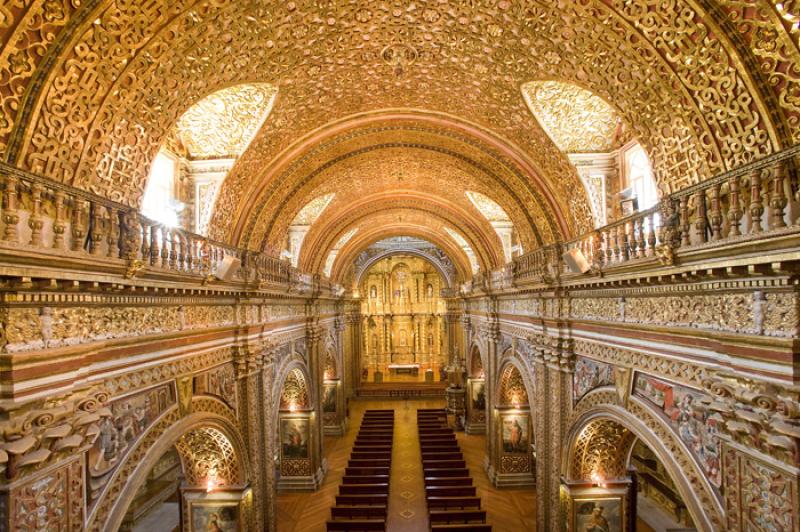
(294, 438)
(215, 517)
(598, 515)
(478, 395)
(515, 437)
(687, 411)
(590, 374)
(329, 398)
(477, 398)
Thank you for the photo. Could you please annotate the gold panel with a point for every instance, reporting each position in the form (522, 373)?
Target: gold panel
(223, 124)
(576, 120)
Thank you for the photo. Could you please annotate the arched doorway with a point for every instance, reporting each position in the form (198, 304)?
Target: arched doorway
(513, 459)
(620, 478)
(476, 394)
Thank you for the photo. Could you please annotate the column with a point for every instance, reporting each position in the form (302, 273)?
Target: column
(556, 365)
(247, 364)
(492, 334)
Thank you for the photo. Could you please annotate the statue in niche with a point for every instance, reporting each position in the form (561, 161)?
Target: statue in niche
(430, 291)
(373, 292)
(430, 341)
(403, 338)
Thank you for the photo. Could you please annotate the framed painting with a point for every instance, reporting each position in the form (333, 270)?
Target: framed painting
(295, 434)
(329, 398)
(601, 514)
(213, 516)
(478, 395)
(515, 434)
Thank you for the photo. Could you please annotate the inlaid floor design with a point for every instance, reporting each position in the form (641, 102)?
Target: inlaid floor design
(507, 510)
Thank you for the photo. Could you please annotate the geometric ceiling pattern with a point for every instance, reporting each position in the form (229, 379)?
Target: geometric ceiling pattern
(223, 124)
(89, 91)
(576, 120)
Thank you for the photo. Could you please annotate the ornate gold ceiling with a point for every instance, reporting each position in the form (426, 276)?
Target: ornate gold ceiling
(223, 124)
(89, 90)
(576, 120)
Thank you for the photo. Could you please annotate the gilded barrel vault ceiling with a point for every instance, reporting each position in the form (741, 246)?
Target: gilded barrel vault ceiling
(407, 153)
(89, 90)
(390, 212)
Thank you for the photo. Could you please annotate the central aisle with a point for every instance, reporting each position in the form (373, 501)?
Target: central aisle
(407, 508)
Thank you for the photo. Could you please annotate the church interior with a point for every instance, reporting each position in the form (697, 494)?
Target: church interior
(394, 265)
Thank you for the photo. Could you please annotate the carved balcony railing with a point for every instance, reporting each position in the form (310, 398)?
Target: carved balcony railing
(45, 223)
(757, 202)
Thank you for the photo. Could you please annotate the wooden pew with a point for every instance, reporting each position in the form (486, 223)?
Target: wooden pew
(450, 491)
(375, 436)
(372, 448)
(457, 472)
(426, 457)
(358, 512)
(371, 455)
(362, 500)
(372, 462)
(357, 525)
(472, 527)
(439, 448)
(437, 437)
(365, 471)
(444, 464)
(446, 517)
(430, 431)
(364, 489)
(450, 503)
(365, 479)
(448, 481)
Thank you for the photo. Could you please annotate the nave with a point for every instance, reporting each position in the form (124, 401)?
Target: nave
(506, 509)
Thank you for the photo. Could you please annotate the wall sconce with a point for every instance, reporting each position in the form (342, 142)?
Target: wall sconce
(292, 407)
(597, 480)
(211, 481)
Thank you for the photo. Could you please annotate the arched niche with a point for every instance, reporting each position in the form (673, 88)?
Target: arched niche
(212, 470)
(297, 433)
(596, 467)
(513, 461)
(476, 393)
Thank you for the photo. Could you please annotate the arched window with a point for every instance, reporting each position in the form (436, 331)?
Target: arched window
(159, 197)
(639, 175)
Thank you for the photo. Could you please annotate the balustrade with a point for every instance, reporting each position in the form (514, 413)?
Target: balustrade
(715, 212)
(45, 216)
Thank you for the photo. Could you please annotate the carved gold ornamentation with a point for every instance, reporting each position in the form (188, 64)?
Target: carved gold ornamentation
(207, 454)
(223, 123)
(295, 393)
(46, 431)
(576, 120)
(113, 133)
